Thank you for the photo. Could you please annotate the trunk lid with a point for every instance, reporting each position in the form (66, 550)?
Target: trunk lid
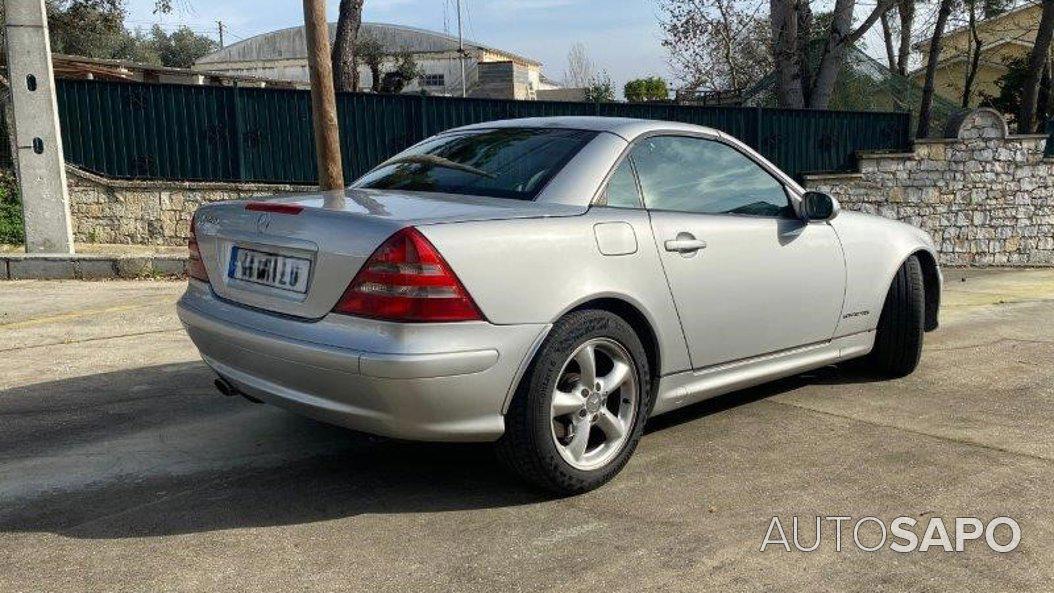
(336, 232)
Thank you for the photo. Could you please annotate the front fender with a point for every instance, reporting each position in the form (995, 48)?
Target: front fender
(874, 249)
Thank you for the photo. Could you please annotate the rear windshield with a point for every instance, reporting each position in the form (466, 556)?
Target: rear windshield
(505, 163)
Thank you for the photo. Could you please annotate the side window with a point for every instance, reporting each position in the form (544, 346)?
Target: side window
(621, 190)
(688, 174)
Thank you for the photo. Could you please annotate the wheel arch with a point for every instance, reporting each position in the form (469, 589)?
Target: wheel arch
(631, 313)
(635, 317)
(931, 286)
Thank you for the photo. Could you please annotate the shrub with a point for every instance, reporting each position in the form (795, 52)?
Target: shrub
(11, 229)
(646, 89)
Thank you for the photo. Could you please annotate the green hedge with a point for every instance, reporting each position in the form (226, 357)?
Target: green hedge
(11, 229)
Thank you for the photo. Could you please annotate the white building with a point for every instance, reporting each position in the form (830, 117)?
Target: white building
(489, 72)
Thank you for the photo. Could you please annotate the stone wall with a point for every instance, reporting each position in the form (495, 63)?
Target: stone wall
(986, 197)
(147, 212)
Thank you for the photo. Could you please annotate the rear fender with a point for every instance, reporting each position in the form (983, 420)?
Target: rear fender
(536, 270)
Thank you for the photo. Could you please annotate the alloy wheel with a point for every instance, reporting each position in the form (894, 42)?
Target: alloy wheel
(594, 404)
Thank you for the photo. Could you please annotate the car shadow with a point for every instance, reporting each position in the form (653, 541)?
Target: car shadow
(156, 451)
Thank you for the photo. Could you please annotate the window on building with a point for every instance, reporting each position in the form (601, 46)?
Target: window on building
(433, 80)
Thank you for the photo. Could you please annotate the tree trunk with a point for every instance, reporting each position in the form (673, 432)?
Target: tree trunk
(926, 106)
(1043, 105)
(805, 36)
(1037, 61)
(375, 74)
(975, 54)
(345, 67)
(887, 39)
(725, 32)
(839, 39)
(833, 54)
(785, 51)
(906, 10)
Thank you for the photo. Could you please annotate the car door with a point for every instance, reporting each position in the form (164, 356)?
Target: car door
(747, 275)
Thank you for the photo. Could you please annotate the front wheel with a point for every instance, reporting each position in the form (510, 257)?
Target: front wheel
(898, 340)
(581, 407)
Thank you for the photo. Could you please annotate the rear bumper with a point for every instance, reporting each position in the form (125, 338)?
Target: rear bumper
(441, 382)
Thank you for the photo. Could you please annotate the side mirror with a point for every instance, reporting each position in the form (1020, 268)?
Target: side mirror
(818, 206)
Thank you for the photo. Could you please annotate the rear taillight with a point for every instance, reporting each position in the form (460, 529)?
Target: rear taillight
(407, 280)
(195, 267)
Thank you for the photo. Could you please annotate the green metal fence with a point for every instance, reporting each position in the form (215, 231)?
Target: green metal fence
(149, 131)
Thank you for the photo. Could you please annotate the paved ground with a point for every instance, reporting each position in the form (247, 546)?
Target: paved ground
(121, 469)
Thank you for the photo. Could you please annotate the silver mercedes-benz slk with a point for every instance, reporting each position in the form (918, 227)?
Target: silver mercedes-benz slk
(549, 284)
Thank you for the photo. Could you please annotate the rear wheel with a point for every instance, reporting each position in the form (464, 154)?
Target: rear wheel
(581, 407)
(898, 340)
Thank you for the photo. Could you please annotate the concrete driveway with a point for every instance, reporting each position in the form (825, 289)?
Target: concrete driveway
(121, 468)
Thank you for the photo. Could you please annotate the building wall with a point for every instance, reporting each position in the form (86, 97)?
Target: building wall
(445, 64)
(575, 94)
(1020, 25)
(950, 80)
(986, 198)
(1017, 28)
(282, 55)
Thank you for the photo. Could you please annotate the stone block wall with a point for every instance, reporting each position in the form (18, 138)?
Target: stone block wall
(147, 212)
(986, 197)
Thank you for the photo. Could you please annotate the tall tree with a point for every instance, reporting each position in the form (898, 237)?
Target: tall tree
(580, 69)
(86, 28)
(926, 104)
(345, 67)
(840, 38)
(180, 48)
(974, 46)
(1011, 91)
(792, 37)
(887, 41)
(716, 44)
(370, 52)
(790, 81)
(976, 13)
(1038, 61)
(896, 34)
(906, 12)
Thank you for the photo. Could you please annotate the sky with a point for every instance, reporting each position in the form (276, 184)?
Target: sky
(622, 36)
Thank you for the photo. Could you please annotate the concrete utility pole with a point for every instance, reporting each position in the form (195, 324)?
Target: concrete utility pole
(40, 165)
(323, 97)
(219, 25)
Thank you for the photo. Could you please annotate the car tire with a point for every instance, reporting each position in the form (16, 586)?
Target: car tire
(898, 339)
(538, 445)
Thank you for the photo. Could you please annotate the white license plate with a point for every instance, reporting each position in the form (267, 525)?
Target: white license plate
(269, 269)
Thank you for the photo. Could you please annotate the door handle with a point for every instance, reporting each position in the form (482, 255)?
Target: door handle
(685, 243)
